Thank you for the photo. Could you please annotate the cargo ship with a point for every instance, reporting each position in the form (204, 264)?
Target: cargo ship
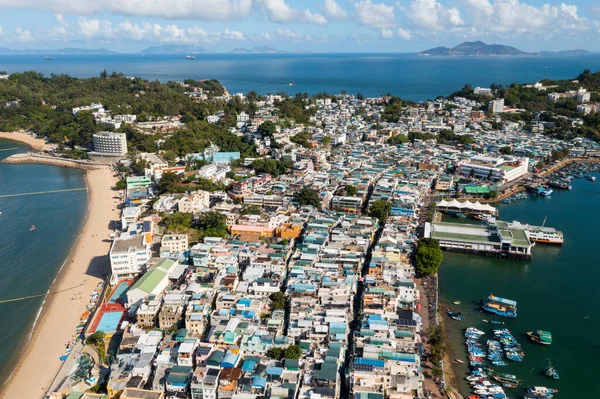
(500, 306)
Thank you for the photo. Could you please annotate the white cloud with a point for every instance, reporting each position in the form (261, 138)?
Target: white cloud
(147, 32)
(314, 18)
(333, 10)
(387, 33)
(232, 35)
(513, 16)
(1, 32)
(95, 28)
(23, 36)
(375, 15)
(404, 34)
(432, 15)
(61, 19)
(280, 12)
(205, 10)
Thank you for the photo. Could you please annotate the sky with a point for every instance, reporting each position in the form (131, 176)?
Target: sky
(299, 25)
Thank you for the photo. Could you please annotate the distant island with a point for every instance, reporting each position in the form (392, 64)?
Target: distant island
(480, 48)
(174, 49)
(258, 50)
(5, 50)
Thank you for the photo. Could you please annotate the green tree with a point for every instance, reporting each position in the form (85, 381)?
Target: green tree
(251, 210)
(292, 352)
(96, 338)
(308, 196)
(326, 141)
(275, 353)
(179, 221)
(139, 166)
(277, 300)
(428, 256)
(168, 183)
(507, 150)
(121, 184)
(212, 224)
(267, 128)
(351, 190)
(380, 209)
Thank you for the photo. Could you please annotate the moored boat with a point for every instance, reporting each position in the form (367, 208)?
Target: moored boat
(456, 316)
(500, 306)
(552, 373)
(540, 337)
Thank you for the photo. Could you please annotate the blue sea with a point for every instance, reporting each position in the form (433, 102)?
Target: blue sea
(30, 260)
(409, 76)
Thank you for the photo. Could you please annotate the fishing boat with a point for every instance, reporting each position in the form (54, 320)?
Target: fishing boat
(591, 178)
(507, 380)
(32, 228)
(500, 306)
(480, 217)
(190, 57)
(496, 322)
(547, 192)
(456, 316)
(48, 58)
(541, 391)
(455, 302)
(551, 372)
(485, 321)
(540, 337)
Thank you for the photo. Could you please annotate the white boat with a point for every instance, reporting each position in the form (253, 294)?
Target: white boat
(541, 233)
(190, 57)
(473, 330)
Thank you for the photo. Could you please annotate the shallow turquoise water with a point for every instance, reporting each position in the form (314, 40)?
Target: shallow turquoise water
(556, 291)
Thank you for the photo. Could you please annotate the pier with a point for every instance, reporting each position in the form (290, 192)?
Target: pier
(31, 157)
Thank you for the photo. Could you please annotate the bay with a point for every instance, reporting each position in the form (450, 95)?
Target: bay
(409, 76)
(30, 260)
(556, 291)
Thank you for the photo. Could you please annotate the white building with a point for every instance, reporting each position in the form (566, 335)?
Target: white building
(93, 107)
(243, 117)
(174, 243)
(130, 215)
(128, 257)
(214, 171)
(110, 143)
(494, 168)
(212, 118)
(497, 106)
(194, 203)
(482, 91)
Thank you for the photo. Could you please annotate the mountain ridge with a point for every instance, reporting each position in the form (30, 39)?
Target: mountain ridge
(479, 48)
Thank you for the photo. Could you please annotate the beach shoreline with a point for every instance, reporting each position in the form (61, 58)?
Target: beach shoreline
(38, 360)
(36, 143)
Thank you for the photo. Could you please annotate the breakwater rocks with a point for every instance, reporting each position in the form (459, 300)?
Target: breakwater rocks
(49, 160)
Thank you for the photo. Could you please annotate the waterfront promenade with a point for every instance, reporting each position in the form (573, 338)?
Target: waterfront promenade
(84, 269)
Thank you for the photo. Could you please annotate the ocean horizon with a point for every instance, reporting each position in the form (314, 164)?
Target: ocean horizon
(407, 75)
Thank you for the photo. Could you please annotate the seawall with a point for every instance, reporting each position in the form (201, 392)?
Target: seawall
(49, 160)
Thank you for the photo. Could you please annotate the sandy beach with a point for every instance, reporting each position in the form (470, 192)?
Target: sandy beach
(23, 137)
(39, 362)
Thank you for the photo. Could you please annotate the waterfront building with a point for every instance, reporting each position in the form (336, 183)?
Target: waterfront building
(501, 240)
(128, 257)
(110, 144)
(494, 168)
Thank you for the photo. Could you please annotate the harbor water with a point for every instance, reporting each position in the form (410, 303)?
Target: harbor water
(32, 259)
(409, 76)
(556, 291)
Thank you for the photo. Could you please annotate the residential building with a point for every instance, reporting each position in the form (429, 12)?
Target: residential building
(174, 243)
